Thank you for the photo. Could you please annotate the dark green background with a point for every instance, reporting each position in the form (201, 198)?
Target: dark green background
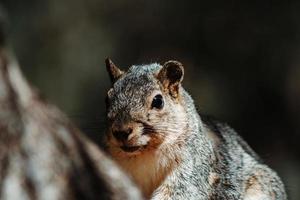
(241, 61)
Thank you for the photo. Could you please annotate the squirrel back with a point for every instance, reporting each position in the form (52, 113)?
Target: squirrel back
(157, 136)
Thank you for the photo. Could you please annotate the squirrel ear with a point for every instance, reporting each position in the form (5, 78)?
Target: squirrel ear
(113, 71)
(171, 75)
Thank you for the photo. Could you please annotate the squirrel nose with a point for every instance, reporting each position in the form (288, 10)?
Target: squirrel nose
(122, 135)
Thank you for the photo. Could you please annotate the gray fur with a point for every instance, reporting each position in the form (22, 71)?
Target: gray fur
(234, 166)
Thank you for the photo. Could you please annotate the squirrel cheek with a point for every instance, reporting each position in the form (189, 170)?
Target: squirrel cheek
(144, 139)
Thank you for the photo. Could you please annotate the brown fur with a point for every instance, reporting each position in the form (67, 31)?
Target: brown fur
(172, 153)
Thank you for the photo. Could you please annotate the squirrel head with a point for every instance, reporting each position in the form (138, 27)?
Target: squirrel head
(144, 107)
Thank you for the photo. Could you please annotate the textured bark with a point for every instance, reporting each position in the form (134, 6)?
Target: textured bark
(42, 154)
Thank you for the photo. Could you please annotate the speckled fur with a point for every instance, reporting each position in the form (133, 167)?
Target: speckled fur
(187, 156)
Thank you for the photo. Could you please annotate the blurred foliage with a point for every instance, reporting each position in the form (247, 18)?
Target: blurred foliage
(241, 60)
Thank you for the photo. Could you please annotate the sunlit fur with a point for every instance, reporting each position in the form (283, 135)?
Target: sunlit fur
(182, 156)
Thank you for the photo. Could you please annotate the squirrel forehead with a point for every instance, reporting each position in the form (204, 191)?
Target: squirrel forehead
(145, 69)
(138, 78)
(132, 89)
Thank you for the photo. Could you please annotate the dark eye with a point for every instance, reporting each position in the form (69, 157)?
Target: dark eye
(157, 102)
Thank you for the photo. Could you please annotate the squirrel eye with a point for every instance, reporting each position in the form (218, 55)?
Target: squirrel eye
(157, 102)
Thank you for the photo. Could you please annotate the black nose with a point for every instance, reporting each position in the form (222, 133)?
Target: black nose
(122, 135)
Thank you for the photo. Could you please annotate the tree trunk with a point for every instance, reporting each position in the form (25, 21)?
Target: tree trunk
(42, 154)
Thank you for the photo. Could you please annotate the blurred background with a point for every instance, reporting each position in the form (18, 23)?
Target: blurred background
(241, 60)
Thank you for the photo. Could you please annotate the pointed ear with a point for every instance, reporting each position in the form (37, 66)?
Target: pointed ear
(113, 71)
(171, 75)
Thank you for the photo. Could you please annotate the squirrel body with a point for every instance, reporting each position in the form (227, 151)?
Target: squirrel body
(157, 136)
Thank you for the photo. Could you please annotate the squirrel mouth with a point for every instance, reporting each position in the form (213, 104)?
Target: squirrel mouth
(132, 148)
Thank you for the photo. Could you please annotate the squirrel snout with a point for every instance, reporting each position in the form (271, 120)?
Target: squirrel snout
(122, 135)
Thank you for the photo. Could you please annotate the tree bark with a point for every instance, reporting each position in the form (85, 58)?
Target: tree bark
(42, 154)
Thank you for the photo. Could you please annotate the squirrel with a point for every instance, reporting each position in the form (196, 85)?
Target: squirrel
(157, 136)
